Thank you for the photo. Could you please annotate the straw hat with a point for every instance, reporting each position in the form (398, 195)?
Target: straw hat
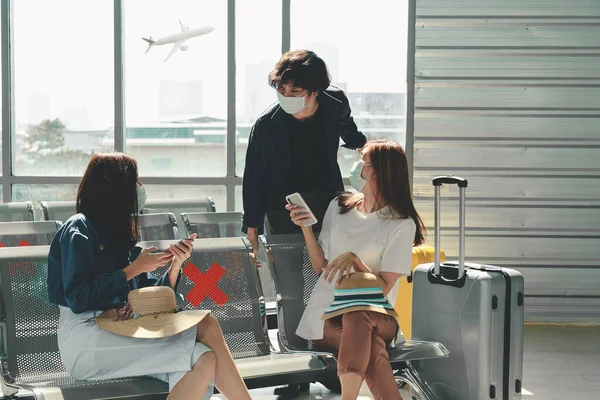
(150, 313)
(359, 292)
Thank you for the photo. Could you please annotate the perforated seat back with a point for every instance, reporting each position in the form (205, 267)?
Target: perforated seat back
(17, 211)
(294, 279)
(178, 206)
(161, 226)
(220, 277)
(29, 233)
(30, 320)
(213, 224)
(58, 210)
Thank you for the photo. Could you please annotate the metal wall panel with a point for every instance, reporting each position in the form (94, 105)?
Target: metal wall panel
(463, 9)
(567, 156)
(507, 33)
(525, 217)
(511, 184)
(503, 125)
(507, 94)
(505, 64)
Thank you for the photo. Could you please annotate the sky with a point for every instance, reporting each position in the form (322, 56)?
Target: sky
(63, 51)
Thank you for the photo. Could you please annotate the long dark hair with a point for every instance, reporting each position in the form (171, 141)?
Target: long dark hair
(388, 159)
(107, 195)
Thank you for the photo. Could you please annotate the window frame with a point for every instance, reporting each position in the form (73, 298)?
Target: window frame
(230, 181)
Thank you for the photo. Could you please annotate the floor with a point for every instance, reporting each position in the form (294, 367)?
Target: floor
(560, 363)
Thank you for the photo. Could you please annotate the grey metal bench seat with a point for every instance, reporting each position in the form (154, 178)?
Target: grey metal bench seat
(58, 210)
(178, 206)
(242, 315)
(229, 224)
(213, 224)
(295, 279)
(63, 210)
(29, 356)
(17, 211)
(160, 226)
(28, 233)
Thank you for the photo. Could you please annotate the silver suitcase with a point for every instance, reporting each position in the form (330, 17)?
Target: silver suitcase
(476, 311)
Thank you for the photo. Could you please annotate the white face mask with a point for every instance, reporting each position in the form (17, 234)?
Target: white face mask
(291, 105)
(356, 179)
(141, 196)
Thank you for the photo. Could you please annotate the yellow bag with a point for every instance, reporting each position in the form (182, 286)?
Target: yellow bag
(420, 255)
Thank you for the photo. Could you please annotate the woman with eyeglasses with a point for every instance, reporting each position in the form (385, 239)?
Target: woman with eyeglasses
(373, 231)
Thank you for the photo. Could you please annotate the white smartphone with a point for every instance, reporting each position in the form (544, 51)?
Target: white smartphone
(297, 200)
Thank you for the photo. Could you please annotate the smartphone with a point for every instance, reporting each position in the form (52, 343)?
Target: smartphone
(187, 238)
(297, 200)
(180, 242)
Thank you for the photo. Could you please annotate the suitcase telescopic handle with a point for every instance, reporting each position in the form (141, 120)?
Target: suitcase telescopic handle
(450, 180)
(462, 184)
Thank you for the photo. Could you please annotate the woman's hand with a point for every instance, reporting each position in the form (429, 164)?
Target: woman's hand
(182, 250)
(298, 215)
(147, 261)
(342, 265)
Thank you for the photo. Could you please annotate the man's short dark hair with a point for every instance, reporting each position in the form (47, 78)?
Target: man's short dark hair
(303, 69)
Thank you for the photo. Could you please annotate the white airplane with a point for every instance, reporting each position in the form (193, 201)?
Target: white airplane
(178, 39)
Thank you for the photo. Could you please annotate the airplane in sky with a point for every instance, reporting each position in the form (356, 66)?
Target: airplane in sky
(178, 39)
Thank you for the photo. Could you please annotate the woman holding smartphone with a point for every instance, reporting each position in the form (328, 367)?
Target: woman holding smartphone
(371, 231)
(94, 264)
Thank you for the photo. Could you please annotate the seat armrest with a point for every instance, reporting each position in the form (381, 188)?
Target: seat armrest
(412, 350)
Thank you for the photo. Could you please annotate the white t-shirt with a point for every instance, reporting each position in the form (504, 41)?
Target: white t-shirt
(382, 242)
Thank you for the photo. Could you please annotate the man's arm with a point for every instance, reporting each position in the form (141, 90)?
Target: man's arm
(353, 138)
(255, 188)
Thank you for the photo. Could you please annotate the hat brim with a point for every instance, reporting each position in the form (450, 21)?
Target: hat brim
(152, 326)
(380, 310)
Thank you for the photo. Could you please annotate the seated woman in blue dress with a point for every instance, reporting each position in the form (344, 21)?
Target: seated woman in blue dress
(93, 265)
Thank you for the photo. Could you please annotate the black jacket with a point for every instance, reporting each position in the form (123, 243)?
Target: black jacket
(268, 154)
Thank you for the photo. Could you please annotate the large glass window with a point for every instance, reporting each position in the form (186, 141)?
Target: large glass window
(239, 204)
(63, 74)
(258, 47)
(218, 193)
(357, 47)
(176, 86)
(42, 192)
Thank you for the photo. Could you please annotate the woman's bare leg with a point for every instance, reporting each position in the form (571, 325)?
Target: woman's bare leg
(227, 377)
(351, 383)
(195, 382)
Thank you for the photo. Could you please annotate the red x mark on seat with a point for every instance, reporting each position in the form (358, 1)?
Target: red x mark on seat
(22, 243)
(205, 284)
(25, 268)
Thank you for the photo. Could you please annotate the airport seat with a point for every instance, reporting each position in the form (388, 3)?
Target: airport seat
(219, 277)
(295, 279)
(17, 211)
(28, 233)
(229, 224)
(213, 224)
(58, 210)
(29, 357)
(178, 206)
(160, 226)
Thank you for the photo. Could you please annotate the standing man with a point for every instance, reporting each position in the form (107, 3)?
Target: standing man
(294, 144)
